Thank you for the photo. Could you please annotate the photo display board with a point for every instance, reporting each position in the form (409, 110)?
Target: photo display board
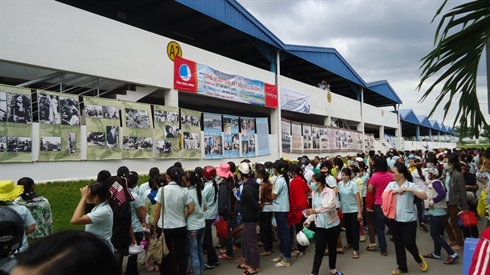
(137, 134)
(263, 146)
(213, 136)
(59, 126)
(231, 136)
(190, 123)
(247, 131)
(286, 135)
(102, 118)
(167, 132)
(15, 124)
(296, 137)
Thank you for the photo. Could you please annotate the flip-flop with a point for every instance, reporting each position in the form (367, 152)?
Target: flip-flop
(396, 272)
(341, 251)
(242, 266)
(355, 255)
(425, 265)
(246, 272)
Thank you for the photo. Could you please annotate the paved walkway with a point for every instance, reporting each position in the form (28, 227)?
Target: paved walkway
(369, 263)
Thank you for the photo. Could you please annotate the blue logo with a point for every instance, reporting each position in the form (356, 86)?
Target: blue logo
(185, 72)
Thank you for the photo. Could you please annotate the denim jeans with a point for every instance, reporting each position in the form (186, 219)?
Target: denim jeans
(379, 222)
(283, 231)
(436, 226)
(195, 240)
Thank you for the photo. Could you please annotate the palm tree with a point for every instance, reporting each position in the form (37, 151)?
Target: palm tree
(459, 42)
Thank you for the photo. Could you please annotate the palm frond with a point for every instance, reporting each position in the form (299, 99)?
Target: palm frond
(459, 42)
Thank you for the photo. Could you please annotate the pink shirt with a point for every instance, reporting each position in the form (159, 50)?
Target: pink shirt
(380, 180)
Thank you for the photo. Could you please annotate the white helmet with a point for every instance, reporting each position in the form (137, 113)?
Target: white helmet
(302, 239)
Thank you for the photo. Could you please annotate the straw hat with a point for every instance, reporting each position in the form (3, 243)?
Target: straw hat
(9, 191)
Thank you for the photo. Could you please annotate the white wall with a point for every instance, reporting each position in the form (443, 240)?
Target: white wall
(419, 145)
(53, 35)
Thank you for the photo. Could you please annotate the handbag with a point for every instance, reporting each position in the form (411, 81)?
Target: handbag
(467, 218)
(480, 207)
(222, 229)
(157, 248)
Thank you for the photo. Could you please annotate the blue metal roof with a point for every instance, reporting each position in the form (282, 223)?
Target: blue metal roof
(424, 121)
(434, 124)
(235, 15)
(327, 58)
(408, 115)
(441, 127)
(384, 88)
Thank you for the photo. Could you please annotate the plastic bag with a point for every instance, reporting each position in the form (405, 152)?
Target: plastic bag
(467, 218)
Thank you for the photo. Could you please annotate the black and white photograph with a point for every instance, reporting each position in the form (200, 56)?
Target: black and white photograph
(3, 107)
(93, 111)
(171, 131)
(95, 138)
(135, 143)
(163, 147)
(49, 144)
(70, 111)
(3, 144)
(191, 141)
(137, 119)
(110, 112)
(112, 133)
(71, 145)
(49, 109)
(19, 108)
(214, 145)
(19, 144)
(165, 116)
(190, 120)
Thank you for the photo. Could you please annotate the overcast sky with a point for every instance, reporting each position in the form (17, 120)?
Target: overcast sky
(381, 40)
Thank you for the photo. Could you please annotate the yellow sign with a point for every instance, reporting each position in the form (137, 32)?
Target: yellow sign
(329, 97)
(173, 50)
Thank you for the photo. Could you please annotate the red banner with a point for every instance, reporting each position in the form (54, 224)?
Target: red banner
(185, 75)
(270, 95)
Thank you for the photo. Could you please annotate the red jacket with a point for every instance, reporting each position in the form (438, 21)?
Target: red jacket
(298, 201)
(480, 264)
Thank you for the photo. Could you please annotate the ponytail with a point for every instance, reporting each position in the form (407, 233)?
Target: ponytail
(174, 173)
(195, 180)
(215, 185)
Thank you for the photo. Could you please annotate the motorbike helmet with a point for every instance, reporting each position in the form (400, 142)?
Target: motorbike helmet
(304, 162)
(11, 231)
(209, 172)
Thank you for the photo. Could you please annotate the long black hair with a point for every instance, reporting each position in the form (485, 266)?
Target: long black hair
(380, 164)
(158, 181)
(174, 173)
(282, 167)
(28, 184)
(296, 169)
(262, 174)
(194, 179)
(101, 190)
(418, 165)
(321, 178)
(453, 158)
(402, 169)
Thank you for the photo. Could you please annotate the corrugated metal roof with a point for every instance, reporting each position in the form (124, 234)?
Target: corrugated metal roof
(408, 115)
(434, 124)
(384, 88)
(424, 121)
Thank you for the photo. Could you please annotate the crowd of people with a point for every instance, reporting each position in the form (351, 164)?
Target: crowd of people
(391, 195)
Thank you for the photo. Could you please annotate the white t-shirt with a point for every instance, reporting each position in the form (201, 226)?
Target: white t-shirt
(281, 203)
(28, 220)
(142, 188)
(176, 199)
(102, 221)
(136, 204)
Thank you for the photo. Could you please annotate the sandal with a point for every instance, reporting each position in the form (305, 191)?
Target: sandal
(431, 256)
(355, 255)
(340, 251)
(266, 253)
(396, 272)
(242, 266)
(248, 272)
(374, 248)
(348, 246)
(326, 252)
(384, 254)
(423, 265)
(451, 259)
(240, 260)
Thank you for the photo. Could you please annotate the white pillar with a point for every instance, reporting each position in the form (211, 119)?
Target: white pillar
(171, 98)
(328, 121)
(382, 132)
(277, 112)
(362, 119)
(399, 130)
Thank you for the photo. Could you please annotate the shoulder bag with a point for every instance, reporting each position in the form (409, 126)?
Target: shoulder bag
(157, 249)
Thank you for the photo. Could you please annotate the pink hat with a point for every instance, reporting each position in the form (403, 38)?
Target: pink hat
(224, 170)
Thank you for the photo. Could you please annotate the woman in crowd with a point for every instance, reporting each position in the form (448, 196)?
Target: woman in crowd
(177, 206)
(155, 184)
(100, 220)
(138, 221)
(210, 193)
(250, 210)
(39, 207)
(456, 198)
(403, 223)
(226, 206)
(471, 188)
(436, 209)
(266, 186)
(377, 184)
(351, 204)
(327, 222)
(298, 202)
(419, 179)
(196, 223)
(280, 206)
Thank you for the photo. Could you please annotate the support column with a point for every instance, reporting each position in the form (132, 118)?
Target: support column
(362, 120)
(171, 98)
(359, 127)
(277, 112)
(439, 136)
(417, 133)
(328, 121)
(430, 136)
(382, 133)
(399, 133)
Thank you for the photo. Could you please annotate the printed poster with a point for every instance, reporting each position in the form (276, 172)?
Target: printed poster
(294, 101)
(263, 145)
(333, 139)
(296, 137)
(213, 139)
(15, 124)
(190, 123)
(324, 139)
(286, 135)
(231, 126)
(307, 138)
(59, 126)
(315, 136)
(137, 130)
(247, 132)
(167, 132)
(103, 128)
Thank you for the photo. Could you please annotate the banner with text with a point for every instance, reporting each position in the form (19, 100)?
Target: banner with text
(213, 138)
(202, 79)
(59, 126)
(190, 123)
(15, 124)
(167, 132)
(263, 146)
(103, 128)
(138, 130)
(294, 101)
(231, 136)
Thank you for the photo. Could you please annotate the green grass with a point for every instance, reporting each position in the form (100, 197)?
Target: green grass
(63, 198)
(484, 146)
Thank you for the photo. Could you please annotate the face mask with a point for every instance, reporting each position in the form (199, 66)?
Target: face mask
(267, 171)
(313, 186)
(446, 166)
(429, 165)
(316, 170)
